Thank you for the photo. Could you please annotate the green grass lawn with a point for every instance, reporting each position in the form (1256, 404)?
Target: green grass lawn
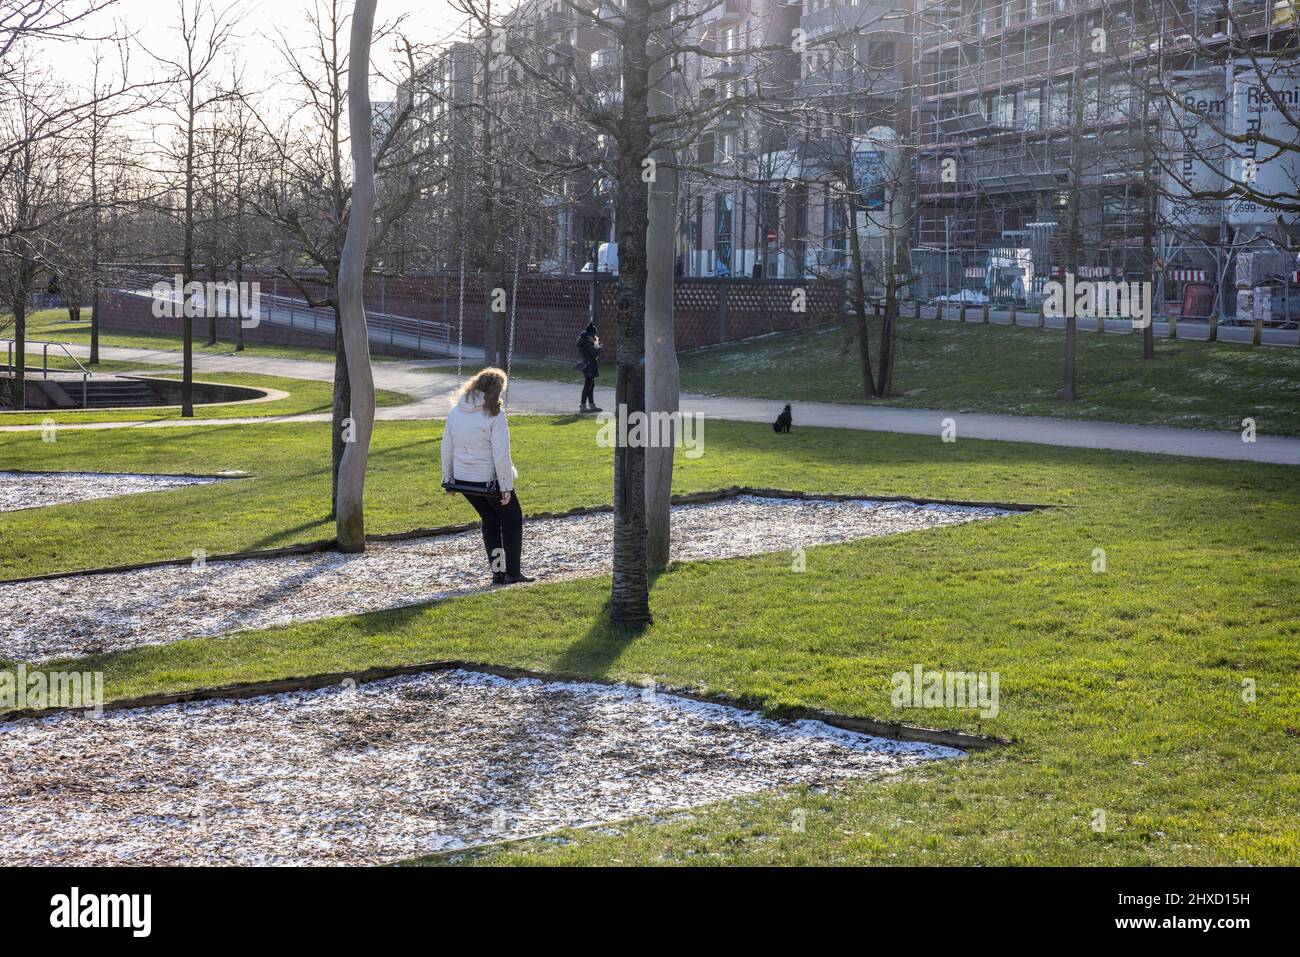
(305, 396)
(62, 363)
(1122, 689)
(978, 368)
(53, 325)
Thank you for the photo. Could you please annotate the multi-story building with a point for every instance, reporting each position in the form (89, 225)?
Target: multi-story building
(780, 88)
(966, 126)
(1010, 92)
(816, 82)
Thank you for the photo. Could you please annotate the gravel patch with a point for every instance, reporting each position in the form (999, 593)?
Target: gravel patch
(89, 614)
(393, 769)
(20, 490)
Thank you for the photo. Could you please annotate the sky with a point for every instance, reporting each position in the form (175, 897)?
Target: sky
(153, 23)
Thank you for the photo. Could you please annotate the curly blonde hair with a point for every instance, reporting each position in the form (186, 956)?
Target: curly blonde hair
(492, 383)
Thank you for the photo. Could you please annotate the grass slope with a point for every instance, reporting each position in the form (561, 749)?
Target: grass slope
(978, 368)
(61, 363)
(53, 325)
(306, 396)
(1123, 689)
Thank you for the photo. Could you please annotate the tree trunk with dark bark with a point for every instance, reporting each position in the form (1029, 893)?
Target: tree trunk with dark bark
(18, 386)
(350, 501)
(662, 380)
(629, 597)
(341, 404)
(187, 266)
(859, 291)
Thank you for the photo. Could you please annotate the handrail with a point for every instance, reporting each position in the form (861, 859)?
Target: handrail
(437, 333)
(381, 325)
(86, 374)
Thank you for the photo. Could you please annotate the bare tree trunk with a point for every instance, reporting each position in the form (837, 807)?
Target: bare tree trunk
(24, 276)
(212, 311)
(340, 406)
(240, 317)
(203, 31)
(859, 290)
(187, 266)
(94, 321)
(94, 223)
(898, 266)
(18, 399)
(349, 504)
(491, 275)
(885, 382)
(490, 284)
(629, 597)
(662, 382)
(212, 265)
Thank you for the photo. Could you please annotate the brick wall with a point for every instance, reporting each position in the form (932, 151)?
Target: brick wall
(121, 312)
(549, 314)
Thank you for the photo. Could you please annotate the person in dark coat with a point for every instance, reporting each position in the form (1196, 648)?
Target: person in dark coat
(589, 364)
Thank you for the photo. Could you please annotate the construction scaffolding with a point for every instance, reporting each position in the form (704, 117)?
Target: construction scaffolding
(996, 132)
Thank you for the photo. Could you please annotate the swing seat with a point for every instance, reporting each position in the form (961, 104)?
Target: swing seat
(484, 489)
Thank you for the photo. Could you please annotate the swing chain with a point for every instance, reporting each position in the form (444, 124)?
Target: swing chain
(514, 297)
(460, 316)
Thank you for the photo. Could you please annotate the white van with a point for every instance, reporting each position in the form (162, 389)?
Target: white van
(606, 259)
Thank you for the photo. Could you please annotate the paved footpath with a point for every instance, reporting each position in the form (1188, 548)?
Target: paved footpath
(431, 387)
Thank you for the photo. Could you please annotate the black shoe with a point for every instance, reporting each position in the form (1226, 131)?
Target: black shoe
(498, 578)
(517, 579)
(594, 408)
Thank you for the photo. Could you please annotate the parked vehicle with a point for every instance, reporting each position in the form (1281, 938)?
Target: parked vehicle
(606, 259)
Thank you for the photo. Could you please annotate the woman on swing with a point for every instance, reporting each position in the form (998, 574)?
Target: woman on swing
(476, 460)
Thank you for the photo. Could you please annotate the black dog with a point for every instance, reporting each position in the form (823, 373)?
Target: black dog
(783, 421)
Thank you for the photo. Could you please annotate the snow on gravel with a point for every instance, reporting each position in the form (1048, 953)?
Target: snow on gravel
(20, 490)
(378, 772)
(87, 614)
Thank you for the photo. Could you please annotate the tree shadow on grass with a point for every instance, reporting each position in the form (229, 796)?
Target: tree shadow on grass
(388, 451)
(570, 418)
(596, 652)
(289, 536)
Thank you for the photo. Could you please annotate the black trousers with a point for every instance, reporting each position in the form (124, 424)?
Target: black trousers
(588, 390)
(503, 531)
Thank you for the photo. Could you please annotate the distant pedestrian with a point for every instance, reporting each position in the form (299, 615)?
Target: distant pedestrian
(589, 365)
(1018, 290)
(52, 292)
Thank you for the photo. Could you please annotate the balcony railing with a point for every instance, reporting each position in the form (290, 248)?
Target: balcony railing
(560, 54)
(726, 12)
(879, 17)
(610, 58)
(556, 22)
(876, 82)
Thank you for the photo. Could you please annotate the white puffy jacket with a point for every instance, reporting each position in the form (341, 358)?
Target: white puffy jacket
(476, 446)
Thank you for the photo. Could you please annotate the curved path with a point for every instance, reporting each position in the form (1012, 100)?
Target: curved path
(431, 392)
